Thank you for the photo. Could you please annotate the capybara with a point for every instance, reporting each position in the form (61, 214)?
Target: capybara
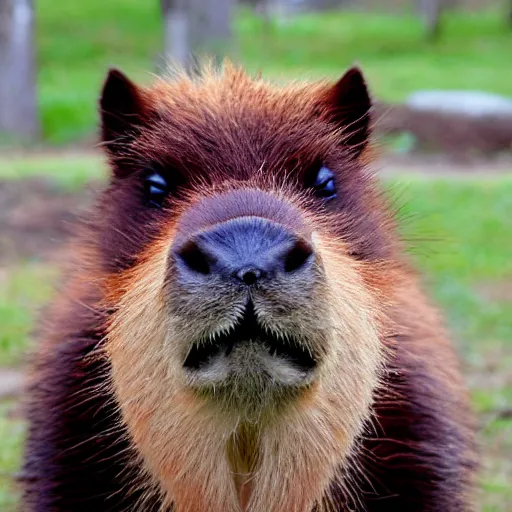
(240, 329)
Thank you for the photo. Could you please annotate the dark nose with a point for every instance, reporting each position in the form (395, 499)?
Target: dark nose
(246, 249)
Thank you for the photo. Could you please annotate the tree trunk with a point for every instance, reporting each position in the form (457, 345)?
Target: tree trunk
(195, 29)
(18, 103)
(430, 12)
(323, 5)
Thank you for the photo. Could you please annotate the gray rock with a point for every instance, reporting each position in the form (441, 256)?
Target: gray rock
(469, 103)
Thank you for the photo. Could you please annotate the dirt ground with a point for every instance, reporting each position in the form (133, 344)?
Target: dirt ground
(37, 217)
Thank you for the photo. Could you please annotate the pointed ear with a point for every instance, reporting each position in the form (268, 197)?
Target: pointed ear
(122, 111)
(348, 105)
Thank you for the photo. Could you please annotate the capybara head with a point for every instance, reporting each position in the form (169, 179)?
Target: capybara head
(242, 238)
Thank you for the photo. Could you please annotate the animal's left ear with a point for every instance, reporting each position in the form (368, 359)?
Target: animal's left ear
(348, 105)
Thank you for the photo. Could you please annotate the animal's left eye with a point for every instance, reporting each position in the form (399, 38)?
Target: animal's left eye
(324, 184)
(156, 187)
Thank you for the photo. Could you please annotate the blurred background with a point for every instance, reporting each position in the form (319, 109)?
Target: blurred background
(441, 75)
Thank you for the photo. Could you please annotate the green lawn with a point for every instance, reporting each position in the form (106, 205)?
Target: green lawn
(459, 234)
(70, 171)
(11, 436)
(77, 41)
(23, 288)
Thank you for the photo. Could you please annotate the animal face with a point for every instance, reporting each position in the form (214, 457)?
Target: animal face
(242, 238)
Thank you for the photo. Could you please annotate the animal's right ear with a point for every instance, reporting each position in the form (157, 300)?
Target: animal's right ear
(348, 106)
(122, 110)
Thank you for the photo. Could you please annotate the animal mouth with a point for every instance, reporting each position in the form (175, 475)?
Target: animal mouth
(249, 330)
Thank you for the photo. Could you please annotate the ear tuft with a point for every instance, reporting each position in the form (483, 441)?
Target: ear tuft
(349, 105)
(122, 110)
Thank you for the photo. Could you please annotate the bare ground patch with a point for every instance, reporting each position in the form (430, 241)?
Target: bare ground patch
(11, 382)
(37, 217)
(500, 291)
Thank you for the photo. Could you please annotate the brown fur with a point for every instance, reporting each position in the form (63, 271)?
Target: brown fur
(384, 423)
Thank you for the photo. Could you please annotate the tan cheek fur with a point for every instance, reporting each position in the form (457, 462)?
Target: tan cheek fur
(194, 452)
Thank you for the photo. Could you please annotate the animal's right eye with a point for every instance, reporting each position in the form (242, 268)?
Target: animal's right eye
(156, 187)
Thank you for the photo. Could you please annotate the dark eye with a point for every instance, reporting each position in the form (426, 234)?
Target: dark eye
(323, 184)
(159, 184)
(156, 188)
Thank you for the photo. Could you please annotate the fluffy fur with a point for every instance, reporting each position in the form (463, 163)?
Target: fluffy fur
(115, 422)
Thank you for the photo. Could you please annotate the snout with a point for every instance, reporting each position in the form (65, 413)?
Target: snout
(243, 286)
(244, 251)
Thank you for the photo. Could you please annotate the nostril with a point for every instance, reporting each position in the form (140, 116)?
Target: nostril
(297, 256)
(191, 254)
(249, 276)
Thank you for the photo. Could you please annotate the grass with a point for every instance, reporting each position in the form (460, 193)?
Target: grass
(459, 234)
(70, 171)
(77, 41)
(23, 288)
(11, 436)
(468, 269)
